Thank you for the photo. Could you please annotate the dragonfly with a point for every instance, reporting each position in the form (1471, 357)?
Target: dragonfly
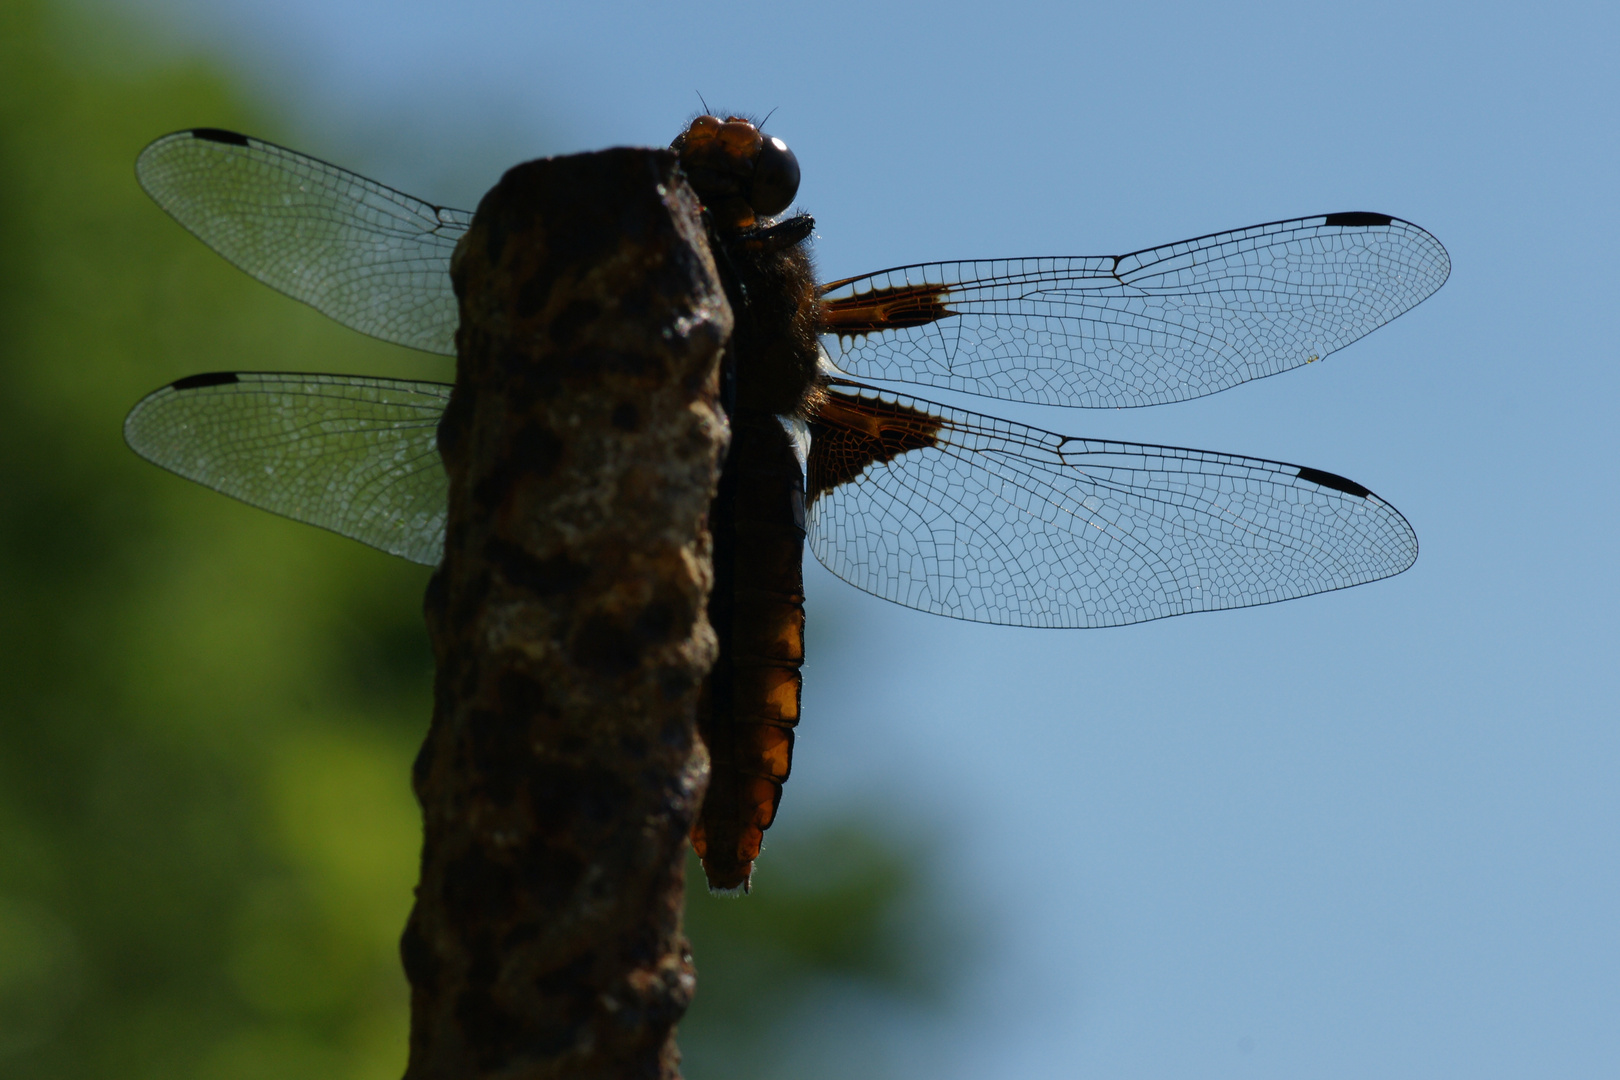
(928, 505)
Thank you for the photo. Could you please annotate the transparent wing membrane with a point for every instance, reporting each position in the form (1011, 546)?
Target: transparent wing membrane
(1106, 331)
(982, 519)
(368, 256)
(354, 455)
(1165, 324)
(932, 507)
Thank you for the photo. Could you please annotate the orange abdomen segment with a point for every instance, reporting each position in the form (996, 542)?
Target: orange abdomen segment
(751, 703)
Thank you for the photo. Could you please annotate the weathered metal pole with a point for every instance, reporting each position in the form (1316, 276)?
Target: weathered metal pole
(563, 770)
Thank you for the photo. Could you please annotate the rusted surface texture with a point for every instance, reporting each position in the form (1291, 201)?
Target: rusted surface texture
(563, 770)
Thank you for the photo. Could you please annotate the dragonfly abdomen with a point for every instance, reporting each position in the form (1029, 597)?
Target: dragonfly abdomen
(751, 703)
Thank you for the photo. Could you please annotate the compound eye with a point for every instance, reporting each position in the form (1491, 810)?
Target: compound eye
(776, 178)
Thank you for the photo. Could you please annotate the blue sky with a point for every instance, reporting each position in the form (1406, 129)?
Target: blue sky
(1367, 833)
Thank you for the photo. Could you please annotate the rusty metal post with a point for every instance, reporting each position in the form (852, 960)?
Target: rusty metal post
(563, 768)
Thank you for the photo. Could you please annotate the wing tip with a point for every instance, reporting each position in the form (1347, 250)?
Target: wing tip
(213, 378)
(1325, 479)
(1358, 219)
(219, 135)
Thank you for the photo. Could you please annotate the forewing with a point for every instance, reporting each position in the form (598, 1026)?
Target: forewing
(354, 455)
(370, 257)
(982, 519)
(1165, 324)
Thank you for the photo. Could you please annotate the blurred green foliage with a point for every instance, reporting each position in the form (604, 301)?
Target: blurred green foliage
(207, 714)
(805, 976)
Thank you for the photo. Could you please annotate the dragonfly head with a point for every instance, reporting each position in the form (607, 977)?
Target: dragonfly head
(739, 172)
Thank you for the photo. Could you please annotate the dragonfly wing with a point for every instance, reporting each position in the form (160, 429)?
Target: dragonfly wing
(1165, 324)
(354, 455)
(370, 257)
(982, 519)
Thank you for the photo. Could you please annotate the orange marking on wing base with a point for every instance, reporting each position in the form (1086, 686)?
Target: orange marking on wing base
(884, 309)
(850, 434)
